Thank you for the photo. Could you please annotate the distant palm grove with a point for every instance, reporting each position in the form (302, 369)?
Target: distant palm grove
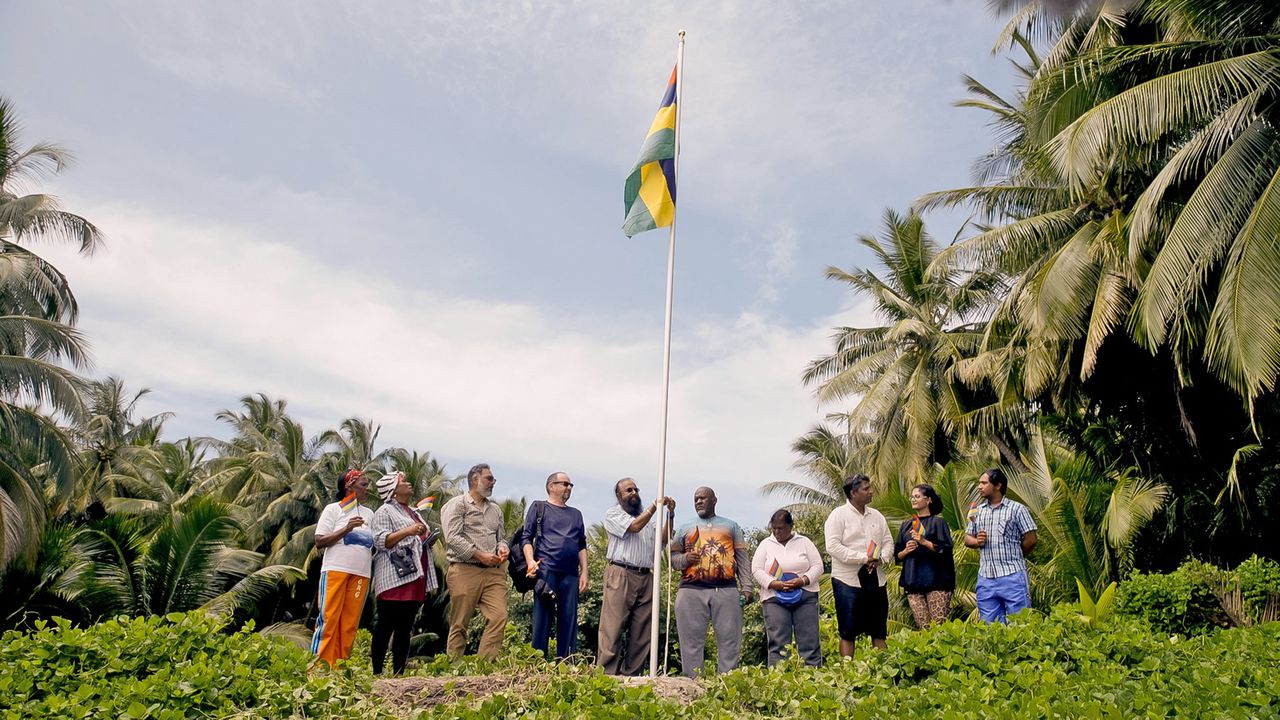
(1106, 329)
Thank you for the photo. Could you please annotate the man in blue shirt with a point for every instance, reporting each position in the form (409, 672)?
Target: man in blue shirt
(1004, 533)
(556, 554)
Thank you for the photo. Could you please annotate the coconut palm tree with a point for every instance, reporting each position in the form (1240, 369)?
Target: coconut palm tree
(161, 481)
(826, 458)
(39, 351)
(900, 373)
(279, 478)
(1202, 231)
(192, 559)
(353, 445)
(31, 285)
(113, 442)
(37, 457)
(50, 586)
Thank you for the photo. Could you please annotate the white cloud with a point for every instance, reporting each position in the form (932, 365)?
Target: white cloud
(209, 313)
(774, 91)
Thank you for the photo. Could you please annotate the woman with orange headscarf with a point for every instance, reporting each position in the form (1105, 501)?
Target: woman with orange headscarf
(343, 534)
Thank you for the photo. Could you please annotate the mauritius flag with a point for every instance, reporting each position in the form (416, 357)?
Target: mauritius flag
(650, 193)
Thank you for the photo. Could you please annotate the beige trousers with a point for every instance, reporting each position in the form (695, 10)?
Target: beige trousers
(627, 607)
(472, 586)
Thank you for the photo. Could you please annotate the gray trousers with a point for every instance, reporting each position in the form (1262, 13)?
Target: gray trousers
(627, 607)
(695, 608)
(800, 621)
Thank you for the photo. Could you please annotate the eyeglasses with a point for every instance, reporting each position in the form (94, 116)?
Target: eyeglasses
(565, 483)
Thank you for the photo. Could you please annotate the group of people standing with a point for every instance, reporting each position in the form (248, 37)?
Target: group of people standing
(388, 546)
(716, 577)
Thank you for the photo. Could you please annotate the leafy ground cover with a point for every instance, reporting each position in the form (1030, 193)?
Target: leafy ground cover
(181, 666)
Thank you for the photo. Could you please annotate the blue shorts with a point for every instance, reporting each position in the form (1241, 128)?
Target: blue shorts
(1003, 596)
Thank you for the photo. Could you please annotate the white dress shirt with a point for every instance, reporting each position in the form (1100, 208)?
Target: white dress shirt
(849, 534)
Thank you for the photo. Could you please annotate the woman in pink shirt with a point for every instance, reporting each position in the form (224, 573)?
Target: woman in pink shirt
(787, 567)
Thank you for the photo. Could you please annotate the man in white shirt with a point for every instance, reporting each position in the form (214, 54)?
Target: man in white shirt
(627, 605)
(859, 543)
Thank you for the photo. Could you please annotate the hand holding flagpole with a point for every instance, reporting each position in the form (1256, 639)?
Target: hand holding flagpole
(649, 199)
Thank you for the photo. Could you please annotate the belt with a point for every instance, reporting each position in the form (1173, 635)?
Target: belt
(632, 568)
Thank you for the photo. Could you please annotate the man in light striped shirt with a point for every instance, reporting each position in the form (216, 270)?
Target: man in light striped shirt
(627, 605)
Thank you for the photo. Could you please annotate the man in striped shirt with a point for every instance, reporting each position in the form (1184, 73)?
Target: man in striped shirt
(1003, 532)
(627, 605)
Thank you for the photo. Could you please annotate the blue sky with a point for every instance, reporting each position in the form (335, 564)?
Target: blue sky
(410, 212)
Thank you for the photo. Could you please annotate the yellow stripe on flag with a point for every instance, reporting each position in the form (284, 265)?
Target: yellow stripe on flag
(655, 195)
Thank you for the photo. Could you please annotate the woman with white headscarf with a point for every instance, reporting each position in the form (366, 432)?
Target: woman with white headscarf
(403, 571)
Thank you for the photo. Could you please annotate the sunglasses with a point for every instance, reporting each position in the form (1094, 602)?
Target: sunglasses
(565, 483)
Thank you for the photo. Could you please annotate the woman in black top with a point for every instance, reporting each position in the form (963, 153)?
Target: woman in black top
(924, 549)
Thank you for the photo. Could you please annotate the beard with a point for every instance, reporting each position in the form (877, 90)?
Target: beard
(632, 506)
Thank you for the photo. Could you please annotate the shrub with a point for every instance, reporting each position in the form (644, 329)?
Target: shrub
(169, 667)
(1038, 666)
(1184, 600)
(1259, 581)
(1177, 602)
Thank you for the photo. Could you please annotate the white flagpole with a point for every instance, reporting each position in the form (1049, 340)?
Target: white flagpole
(666, 371)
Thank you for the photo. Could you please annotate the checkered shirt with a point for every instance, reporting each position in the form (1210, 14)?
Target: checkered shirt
(1005, 524)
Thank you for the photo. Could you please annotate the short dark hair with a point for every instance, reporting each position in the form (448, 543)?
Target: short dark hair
(474, 473)
(996, 477)
(935, 502)
(853, 482)
(783, 516)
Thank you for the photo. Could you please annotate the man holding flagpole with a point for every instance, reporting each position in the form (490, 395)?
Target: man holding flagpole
(627, 605)
(649, 198)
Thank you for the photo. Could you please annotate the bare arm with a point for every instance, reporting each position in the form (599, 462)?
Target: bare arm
(529, 562)
(324, 541)
(1029, 541)
(642, 519)
(339, 528)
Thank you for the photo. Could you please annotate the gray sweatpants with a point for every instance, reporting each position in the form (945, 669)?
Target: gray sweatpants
(695, 607)
(783, 624)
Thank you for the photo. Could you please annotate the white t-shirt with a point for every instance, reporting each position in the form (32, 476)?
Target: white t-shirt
(354, 552)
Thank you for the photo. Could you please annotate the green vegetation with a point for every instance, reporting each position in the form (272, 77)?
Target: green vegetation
(1105, 327)
(169, 667)
(183, 665)
(1105, 330)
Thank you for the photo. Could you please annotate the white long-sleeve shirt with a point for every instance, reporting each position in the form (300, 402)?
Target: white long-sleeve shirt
(849, 534)
(799, 556)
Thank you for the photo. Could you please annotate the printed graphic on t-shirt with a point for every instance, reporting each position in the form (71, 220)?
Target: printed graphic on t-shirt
(359, 536)
(715, 566)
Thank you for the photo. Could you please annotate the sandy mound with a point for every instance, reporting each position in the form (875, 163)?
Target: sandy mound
(407, 695)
